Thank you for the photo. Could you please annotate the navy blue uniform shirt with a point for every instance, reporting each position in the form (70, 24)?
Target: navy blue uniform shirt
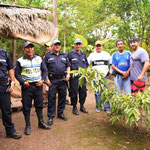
(77, 59)
(18, 70)
(5, 64)
(56, 64)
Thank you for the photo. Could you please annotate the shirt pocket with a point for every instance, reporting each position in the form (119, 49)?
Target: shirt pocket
(3, 65)
(74, 61)
(51, 61)
(83, 61)
(63, 60)
(3, 70)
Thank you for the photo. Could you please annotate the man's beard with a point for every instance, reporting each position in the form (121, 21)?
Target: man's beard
(134, 47)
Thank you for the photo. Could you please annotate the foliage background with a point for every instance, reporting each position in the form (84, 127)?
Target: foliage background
(105, 20)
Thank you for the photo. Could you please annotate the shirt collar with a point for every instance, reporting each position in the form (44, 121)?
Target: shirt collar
(25, 57)
(81, 53)
(53, 53)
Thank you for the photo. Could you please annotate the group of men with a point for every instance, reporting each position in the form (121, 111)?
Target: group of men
(130, 69)
(54, 70)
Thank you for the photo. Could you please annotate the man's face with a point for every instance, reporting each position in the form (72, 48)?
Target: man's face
(134, 45)
(98, 48)
(29, 51)
(120, 46)
(78, 46)
(56, 47)
(48, 48)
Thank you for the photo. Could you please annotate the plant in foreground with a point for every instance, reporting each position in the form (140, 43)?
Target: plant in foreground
(123, 107)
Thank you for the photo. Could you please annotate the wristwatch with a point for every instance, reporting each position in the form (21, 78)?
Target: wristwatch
(13, 82)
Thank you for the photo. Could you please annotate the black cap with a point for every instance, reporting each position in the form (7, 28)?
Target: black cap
(26, 44)
(134, 40)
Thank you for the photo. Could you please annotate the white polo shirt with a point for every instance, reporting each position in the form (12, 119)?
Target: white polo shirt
(100, 61)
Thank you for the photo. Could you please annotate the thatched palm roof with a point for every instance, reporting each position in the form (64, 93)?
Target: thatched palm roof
(30, 24)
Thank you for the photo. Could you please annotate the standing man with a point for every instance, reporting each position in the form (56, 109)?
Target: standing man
(121, 65)
(77, 59)
(58, 73)
(139, 66)
(31, 72)
(100, 61)
(6, 70)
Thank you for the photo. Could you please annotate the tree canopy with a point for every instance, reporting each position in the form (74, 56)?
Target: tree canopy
(105, 20)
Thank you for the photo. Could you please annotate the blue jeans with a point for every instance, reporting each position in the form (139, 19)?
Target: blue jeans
(122, 84)
(98, 97)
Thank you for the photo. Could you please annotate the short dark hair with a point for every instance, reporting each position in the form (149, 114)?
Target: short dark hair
(120, 40)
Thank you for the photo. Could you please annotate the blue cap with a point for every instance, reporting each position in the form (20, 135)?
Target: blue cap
(134, 39)
(26, 44)
(78, 41)
(56, 41)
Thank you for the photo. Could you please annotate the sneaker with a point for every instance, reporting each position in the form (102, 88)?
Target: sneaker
(97, 110)
(108, 111)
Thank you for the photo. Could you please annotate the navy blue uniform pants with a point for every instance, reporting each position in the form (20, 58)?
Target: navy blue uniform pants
(29, 93)
(5, 105)
(59, 86)
(75, 90)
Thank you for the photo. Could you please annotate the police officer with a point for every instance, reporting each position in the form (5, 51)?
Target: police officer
(28, 73)
(6, 70)
(77, 59)
(58, 73)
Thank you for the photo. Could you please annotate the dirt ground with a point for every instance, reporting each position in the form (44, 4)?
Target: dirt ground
(92, 131)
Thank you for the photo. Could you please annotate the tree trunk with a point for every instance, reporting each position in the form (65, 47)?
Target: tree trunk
(142, 36)
(55, 12)
(64, 41)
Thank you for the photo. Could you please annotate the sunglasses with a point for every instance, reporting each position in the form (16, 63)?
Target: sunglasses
(78, 43)
(57, 44)
(98, 45)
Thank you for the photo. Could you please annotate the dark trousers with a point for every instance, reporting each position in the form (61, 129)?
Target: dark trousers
(75, 89)
(29, 93)
(5, 105)
(59, 86)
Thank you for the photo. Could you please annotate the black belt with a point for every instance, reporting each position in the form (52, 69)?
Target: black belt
(55, 77)
(33, 83)
(2, 82)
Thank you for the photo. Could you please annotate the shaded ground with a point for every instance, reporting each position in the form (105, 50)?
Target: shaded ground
(91, 131)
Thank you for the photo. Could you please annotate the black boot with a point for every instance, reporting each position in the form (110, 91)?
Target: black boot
(41, 122)
(50, 121)
(14, 135)
(27, 129)
(82, 109)
(62, 116)
(43, 125)
(75, 110)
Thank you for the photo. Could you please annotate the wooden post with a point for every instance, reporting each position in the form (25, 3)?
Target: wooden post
(14, 42)
(55, 12)
(14, 51)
